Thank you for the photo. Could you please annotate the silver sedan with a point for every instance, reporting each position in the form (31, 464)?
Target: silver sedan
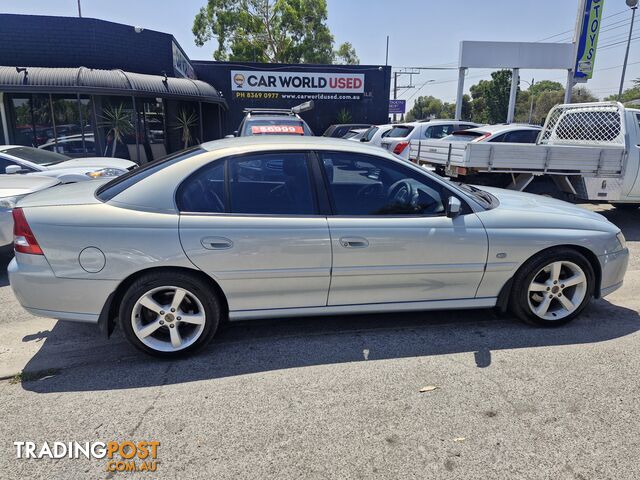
(274, 227)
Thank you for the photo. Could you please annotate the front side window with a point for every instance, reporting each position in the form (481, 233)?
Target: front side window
(271, 184)
(369, 185)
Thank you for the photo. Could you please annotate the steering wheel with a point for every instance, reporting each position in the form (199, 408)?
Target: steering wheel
(402, 192)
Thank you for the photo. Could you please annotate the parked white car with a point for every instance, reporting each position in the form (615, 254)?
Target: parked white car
(17, 159)
(12, 189)
(512, 133)
(400, 136)
(374, 135)
(71, 145)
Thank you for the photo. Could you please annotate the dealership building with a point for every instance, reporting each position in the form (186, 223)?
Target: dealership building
(87, 87)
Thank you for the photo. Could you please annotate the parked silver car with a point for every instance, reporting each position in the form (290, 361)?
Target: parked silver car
(12, 189)
(292, 226)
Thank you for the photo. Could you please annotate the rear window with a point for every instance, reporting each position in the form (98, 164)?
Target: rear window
(121, 183)
(275, 127)
(463, 136)
(400, 131)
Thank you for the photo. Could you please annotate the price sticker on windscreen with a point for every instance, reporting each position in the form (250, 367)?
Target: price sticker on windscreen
(277, 129)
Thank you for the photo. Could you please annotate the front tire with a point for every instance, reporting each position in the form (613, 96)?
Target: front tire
(169, 315)
(553, 288)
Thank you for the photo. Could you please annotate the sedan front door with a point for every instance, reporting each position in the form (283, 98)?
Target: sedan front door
(392, 241)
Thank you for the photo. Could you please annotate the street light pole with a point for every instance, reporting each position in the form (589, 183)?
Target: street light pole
(633, 4)
(79, 10)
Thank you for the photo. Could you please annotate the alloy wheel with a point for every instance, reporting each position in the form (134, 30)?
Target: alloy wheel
(168, 319)
(557, 290)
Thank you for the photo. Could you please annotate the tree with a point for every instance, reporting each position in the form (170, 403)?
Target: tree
(628, 95)
(346, 55)
(283, 31)
(491, 98)
(545, 86)
(424, 108)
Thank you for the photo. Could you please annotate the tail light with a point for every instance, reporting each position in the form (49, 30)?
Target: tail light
(24, 241)
(399, 148)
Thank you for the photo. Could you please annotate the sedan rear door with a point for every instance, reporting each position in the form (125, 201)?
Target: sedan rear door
(251, 223)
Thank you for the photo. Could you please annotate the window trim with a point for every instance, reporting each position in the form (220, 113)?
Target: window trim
(327, 188)
(227, 191)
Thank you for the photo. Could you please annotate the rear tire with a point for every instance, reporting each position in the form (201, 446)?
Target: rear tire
(552, 288)
(170, 314)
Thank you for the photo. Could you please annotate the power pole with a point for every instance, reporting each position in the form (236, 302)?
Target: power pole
(395, 91)
(633, 4)
(533, 81)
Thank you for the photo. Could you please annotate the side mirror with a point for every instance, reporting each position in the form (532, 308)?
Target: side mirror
(229, 136)
(13, 169)
(363, 139)
(454, 206)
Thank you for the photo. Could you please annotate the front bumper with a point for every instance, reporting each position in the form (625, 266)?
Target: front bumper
(613, 267)
(43, 294)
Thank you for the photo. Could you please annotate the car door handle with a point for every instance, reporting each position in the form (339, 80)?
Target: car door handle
(354, 242)
(216, 243)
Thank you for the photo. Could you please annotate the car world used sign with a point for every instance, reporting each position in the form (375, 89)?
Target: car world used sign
(301, 82)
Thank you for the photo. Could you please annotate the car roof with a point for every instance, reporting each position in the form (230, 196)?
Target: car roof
(273, 117)
(285, 141)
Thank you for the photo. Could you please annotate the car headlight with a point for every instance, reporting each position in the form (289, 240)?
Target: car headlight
(622, 240)
(106, 172)
(8, 203)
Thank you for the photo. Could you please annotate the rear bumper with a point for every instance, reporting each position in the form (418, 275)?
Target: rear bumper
(613, 267)
(43, 294)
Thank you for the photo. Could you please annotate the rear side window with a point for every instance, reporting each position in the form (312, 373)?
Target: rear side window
(257, 184)
(121, 183)
(271, 184)
(522, 136)
(400, 131)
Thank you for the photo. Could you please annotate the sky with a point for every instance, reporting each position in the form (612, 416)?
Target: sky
(423, 33)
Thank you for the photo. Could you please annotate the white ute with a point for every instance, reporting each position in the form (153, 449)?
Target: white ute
(589, 150)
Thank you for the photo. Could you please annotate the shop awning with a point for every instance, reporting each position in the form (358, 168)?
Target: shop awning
(105, 82)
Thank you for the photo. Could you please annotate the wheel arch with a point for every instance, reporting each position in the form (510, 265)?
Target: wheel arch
(505, 293)
(109, 315)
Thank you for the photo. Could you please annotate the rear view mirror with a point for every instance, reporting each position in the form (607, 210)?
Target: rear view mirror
(454, 206)
(13, 169)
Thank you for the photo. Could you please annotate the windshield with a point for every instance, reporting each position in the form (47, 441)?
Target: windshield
(400, 131)
(36, 155)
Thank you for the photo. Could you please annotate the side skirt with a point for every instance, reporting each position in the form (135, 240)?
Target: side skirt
(488, 302)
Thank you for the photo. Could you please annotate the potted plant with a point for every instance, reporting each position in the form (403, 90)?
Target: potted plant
(118, 120)
(185, 121)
